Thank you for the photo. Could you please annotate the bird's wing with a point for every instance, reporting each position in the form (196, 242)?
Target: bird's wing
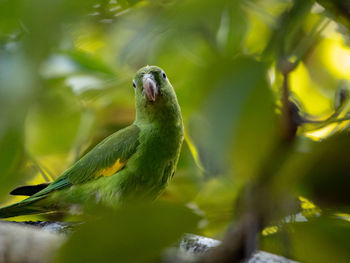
(105, 159)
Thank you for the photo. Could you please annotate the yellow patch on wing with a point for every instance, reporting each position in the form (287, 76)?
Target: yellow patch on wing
(117, 166)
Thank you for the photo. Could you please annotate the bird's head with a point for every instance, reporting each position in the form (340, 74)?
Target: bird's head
(154, 94)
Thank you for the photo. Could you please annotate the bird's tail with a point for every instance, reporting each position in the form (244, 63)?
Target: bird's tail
(24, 207)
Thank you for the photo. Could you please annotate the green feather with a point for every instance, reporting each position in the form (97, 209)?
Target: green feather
(120, 145)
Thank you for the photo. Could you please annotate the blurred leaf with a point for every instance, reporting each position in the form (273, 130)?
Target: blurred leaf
(53, 124)
(318, 171)
(223, 28)
(338, 10)
(233, 27)
(215, 200)
(136, 233)
(239, 116)
(89, 62)
(288, 32)
(257, 129)
(319, 240)
(326, 175)
(16, 96)
(10, 157)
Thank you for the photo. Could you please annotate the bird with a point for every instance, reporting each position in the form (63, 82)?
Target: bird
(134, 163)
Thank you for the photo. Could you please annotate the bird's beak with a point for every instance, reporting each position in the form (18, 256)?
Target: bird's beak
(149, 87)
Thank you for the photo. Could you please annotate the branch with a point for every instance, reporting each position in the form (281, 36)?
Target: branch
(27, 244)
(38, 242)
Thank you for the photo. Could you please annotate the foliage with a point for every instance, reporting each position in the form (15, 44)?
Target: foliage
(263, 87)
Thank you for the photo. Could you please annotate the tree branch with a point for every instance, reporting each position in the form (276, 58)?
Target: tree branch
(38, 242)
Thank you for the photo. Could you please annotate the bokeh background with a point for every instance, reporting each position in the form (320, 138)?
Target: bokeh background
(263, 86)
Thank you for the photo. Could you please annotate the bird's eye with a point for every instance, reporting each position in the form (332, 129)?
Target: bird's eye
(163, 74)
(134, 84)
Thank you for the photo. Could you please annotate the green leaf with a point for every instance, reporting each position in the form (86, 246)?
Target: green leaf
(325, 178)
(236, 128)
(320, 240)
(89, 62)
(16, 96)
(135, 233)
(53, 124)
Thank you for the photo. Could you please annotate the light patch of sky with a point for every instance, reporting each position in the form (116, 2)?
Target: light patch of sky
(81, 83)
(57, 65)
(122, 12)
(115, 8)
(317, 9)
(94, 14)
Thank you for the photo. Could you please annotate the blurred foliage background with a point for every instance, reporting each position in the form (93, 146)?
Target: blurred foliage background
(264, 91)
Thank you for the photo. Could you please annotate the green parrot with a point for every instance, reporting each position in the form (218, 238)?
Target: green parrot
(133, 163)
